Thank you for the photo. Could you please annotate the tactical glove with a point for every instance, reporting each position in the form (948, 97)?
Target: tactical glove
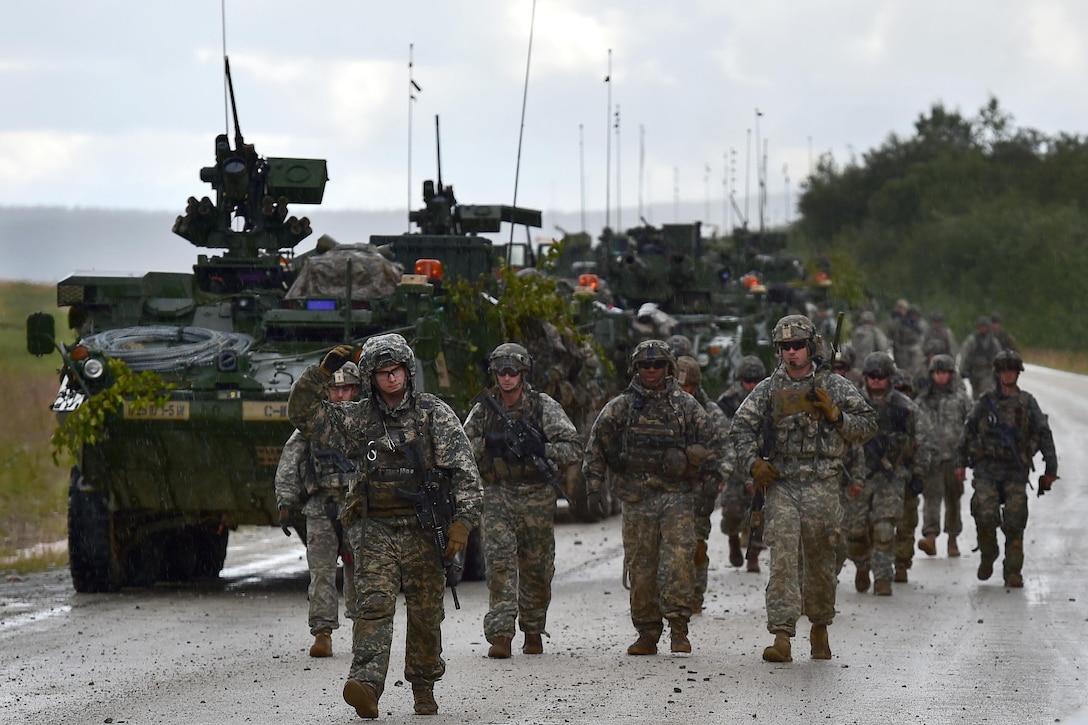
(763, 473)
(821, 401)
(335, 358)
(285, 516)
(595, 504)
(1045, 482)
(458, 539)
(534, 446)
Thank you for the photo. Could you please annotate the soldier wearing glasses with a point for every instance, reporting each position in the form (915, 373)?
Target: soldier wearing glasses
(518, 521)
(659, 444)
(792, 434)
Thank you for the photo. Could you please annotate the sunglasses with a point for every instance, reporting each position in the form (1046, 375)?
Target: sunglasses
(876, 376)
(652, 365)
(508, 372)
(795, 345)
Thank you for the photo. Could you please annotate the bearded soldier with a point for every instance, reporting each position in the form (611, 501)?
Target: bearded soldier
(513, 451)
(407, 443)
(1003, 432)
(659, 444)
(791, 433)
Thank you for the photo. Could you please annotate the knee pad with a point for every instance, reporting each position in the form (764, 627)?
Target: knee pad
(883, 532)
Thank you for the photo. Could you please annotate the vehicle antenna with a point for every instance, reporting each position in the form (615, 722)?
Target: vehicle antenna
(223, 25)
(438, 151)
(238, 141)
(413, 88)
(521, 129)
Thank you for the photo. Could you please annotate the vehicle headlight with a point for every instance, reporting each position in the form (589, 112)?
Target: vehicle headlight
(93, 369)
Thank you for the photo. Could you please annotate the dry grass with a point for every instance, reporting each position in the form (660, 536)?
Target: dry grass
(1075, 361)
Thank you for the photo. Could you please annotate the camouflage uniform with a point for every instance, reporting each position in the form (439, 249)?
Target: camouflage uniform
(518, 522)
(944, 409)
(320, 487)
(938, 338)
(868, 338)
(999, 440)
(659, 445)
(977, 357)
(395, 554)
(802, 510)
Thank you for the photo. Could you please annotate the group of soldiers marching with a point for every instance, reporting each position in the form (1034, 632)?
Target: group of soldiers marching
(392, 482)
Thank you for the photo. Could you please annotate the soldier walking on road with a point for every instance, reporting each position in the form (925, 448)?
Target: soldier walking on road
(867, 338)
(977, 358)
(658, 443)
(307, 477)
(792, 434)
(406, 442)
(1003, 432)
(690, 378)
(518, 521)
(739, 487)
(944, 405)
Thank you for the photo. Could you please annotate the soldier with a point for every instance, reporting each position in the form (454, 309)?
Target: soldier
(867, 338)
(405, 440)
(941, 340)
(739, 487)
(659, 444)
(1004, 337)
(906, 333)
(1003, 431)
(307, 477)
(845, 364)
(690, 378)
(977, 358)
(944, 405)
(680, 346)
(513, 452)
(805, 417)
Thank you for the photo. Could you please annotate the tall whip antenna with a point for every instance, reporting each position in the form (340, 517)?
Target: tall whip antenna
(521, 130)
(413, 88)
(226, 90)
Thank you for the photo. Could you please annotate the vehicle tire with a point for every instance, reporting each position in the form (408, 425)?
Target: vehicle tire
(475, 567)
(194, 552)
(90, 550)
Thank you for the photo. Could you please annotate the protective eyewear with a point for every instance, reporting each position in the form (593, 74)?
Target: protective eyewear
(876, 376)
(508, 372)
(652, 365)
(390, 373)
(793, 345)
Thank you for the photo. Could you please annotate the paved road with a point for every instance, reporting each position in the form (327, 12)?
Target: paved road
(944, 649)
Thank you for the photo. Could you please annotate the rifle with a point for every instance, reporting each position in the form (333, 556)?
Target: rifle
(755, 506)
(435, 508)
(518, 436)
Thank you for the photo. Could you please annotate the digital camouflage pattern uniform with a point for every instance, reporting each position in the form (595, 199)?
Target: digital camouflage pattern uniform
(518, 521)
(736, 498)
(802, 510)
(708, 498)
(395, 553)
(320, 487)
(977, 358)
(999, 440)
(659, 446)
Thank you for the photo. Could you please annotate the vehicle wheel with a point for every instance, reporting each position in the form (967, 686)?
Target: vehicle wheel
(475, 567)
(90, 551)
(194, 552)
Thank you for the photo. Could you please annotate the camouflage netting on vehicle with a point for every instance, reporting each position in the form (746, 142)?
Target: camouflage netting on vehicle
(325, 275)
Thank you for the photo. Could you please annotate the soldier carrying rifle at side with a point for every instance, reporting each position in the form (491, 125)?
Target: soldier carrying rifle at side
(816, 415)
(520, 437)
(384, 433)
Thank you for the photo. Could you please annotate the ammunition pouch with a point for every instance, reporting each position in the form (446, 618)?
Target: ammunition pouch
(382, 497)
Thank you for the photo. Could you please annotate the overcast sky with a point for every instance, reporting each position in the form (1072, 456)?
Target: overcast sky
(117, 104)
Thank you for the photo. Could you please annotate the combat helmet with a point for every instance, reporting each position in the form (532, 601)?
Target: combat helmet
(383, 350)
(509, 355)
(348, 374)
(680, 346)
(943, 362)
(751, 369)
(1008, 359)
(687, 371)
(653, 350)
(845, 356)
(878, 362)
(797, 327)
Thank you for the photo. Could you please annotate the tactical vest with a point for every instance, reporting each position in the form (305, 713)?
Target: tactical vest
(795, 425)
(396, 458)
(654, 439)
(498, 468)
(323, 476)
(1004, 431)
(892, 442)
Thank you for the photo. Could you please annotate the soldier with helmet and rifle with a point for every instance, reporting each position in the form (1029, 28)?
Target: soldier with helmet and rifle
(318, 480)
(1003, 432)
(792, 434)
(659, 445)
(418, 487)
(520, 437)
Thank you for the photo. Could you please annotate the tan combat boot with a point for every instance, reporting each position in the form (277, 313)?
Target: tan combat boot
(861, 579)
(679, 637)
(753, 562)
(953, 547)
(644, 645)
(900, 574)
(363, 696)
(780, 650)
(985, 570)
(928, 544)
(500, 648)
(736, 558)
(533, 644)
(821, 650)
(882, 588)
(322, 646)
(424, 700)
(1014, 580)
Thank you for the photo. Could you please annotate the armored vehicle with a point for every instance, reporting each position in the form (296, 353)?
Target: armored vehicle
(155, 492)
